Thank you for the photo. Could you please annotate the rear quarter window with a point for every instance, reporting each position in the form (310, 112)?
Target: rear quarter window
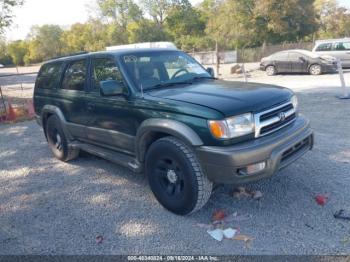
(49, 75)
(342, 46)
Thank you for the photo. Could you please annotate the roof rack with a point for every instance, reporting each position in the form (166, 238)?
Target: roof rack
(73, 54)
(332, 40)
(166, 45)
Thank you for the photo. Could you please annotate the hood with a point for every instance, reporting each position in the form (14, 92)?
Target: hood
(229, 98)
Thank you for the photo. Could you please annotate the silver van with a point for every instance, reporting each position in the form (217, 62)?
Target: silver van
(338, 48)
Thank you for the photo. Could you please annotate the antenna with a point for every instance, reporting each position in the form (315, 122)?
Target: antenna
(141, 88)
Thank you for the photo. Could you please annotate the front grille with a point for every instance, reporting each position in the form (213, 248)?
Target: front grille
(274, 119)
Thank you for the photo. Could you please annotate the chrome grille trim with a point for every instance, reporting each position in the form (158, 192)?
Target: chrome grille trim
(273, 120)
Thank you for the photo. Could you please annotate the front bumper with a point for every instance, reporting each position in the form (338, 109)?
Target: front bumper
(329, 68)
(279, 149)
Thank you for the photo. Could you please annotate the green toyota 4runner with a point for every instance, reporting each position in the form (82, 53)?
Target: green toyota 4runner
(158, 111)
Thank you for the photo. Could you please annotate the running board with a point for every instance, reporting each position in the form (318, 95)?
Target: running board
(110, 155)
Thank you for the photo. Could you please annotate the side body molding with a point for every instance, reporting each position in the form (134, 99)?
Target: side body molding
(50, 109)
(167, 126)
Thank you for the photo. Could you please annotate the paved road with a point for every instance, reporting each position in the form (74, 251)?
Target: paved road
(50, 207)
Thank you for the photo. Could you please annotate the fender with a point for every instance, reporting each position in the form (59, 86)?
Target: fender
(171, 127)
(50, 109)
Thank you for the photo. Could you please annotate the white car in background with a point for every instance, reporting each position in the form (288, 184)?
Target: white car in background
(1, 66)
(338, 48)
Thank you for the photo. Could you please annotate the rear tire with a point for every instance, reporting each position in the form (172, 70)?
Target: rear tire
(315, 70)
(271, 70)
(175, 176)
(57, 140)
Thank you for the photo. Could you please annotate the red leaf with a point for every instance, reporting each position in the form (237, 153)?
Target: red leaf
(218, 215)
(321, 199)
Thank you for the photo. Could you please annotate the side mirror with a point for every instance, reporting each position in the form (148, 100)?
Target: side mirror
(210, 70)
(111, 88)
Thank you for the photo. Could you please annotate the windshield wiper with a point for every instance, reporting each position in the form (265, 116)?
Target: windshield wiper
(161, 85)
(203, 77)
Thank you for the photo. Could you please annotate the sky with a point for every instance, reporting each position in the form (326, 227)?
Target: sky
(61, 12)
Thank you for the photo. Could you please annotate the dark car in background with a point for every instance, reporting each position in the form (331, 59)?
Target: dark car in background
(298, 61)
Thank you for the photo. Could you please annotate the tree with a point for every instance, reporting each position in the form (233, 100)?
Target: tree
(5, 58)
(184, 24)
(158, 9)
(6, 10)
(285, 20)
(121, 11)
(91, 36)
(45, 42)
(231, 23)
(17, 50)
(334, 21)
(146, 31)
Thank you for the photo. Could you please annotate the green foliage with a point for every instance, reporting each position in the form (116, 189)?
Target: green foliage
(184, 21)
(121, 11)
(45, 42)
(90, 36)
(6, 8)
(17, 50)
(230, 23)
(146, 31)
(5, 58)
(334, 21)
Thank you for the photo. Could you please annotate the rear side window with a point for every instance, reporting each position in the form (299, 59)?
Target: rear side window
(342, 46)
(293, 56)
(105, 69)
(283, 56)
(49, 75)
(324, 47)
(75, 76)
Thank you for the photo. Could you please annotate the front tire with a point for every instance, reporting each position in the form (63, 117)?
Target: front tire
(175, 176)
(271, 70)
(315, 70)
(57, 140)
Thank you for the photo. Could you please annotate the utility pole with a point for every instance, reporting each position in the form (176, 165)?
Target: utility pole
(217, 58)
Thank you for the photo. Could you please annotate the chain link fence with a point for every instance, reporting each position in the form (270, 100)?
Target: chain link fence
(16, 94)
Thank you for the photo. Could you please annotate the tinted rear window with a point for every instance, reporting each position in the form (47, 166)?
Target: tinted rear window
(342, 46)
(75, 76)
(324, 47)
(49, 75)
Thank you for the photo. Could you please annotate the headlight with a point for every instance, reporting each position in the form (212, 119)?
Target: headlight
(294, 101)
(232, 127)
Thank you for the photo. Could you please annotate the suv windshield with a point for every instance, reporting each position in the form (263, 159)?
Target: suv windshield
(162, 68)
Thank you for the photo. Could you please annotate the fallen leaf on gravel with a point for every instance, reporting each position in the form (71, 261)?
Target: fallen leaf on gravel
(243, 238)
(240, 192)
(321, 199)
(340, 215)
(257, 195)
(307, 225)
(99, 239)
(218, 215)
(234, 217)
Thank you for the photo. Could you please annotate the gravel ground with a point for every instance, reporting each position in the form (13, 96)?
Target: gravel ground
(50, 207)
